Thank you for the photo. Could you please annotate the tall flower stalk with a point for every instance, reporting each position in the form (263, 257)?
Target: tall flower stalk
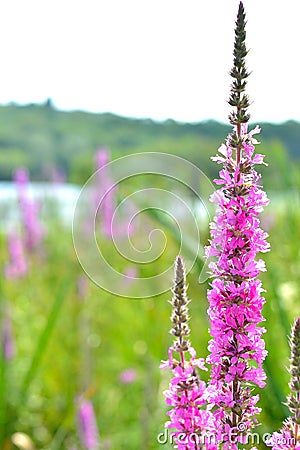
(235, 300)
(106, 190)
(32, 228)
(289, 436)
(105, 198)
(293, 400)
(187, 393)
(17, 266)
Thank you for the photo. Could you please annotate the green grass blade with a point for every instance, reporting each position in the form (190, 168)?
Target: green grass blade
(44, 338)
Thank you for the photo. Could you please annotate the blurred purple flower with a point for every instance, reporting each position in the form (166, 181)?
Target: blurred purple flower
(102, 157)
(29, 210)
(128, 376)
(105, 199)
(21, 176)
(82, 287)
(105, 190)
(87, 425)
(17, 265)
(130, 274)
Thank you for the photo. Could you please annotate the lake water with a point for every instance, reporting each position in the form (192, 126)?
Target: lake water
(57, 201)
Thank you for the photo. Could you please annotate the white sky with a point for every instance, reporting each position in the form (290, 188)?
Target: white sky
(149, 58)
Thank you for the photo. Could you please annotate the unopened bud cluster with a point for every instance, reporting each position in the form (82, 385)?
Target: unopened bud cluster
(180, 303)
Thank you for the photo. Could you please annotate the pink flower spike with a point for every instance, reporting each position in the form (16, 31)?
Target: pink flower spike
(87, 425)
(17, 266)
(235, 298)
(32, 228)
(189, 415)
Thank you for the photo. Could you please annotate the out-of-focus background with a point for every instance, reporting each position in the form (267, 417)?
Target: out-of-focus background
(85, 84)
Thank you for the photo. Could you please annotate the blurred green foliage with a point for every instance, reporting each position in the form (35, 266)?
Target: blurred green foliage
(40, 137)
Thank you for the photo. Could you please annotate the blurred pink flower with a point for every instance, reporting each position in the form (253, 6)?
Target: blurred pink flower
(105, 190)
(130, 273)
(33, 232)
(87, 425)
(17, 265)
(105, 199)
(128, 376)
(82, 287)
(21, 176)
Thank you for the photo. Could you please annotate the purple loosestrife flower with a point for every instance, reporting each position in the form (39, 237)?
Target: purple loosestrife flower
(17, 266)
(87, 425)
(33, 231)
(235, 300)
(187, 393)
(105, 190)
(289, 436)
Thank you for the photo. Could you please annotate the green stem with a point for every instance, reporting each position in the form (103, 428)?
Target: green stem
(238, 150)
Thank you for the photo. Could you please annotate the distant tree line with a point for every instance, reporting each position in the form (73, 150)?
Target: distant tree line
(45, 139)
